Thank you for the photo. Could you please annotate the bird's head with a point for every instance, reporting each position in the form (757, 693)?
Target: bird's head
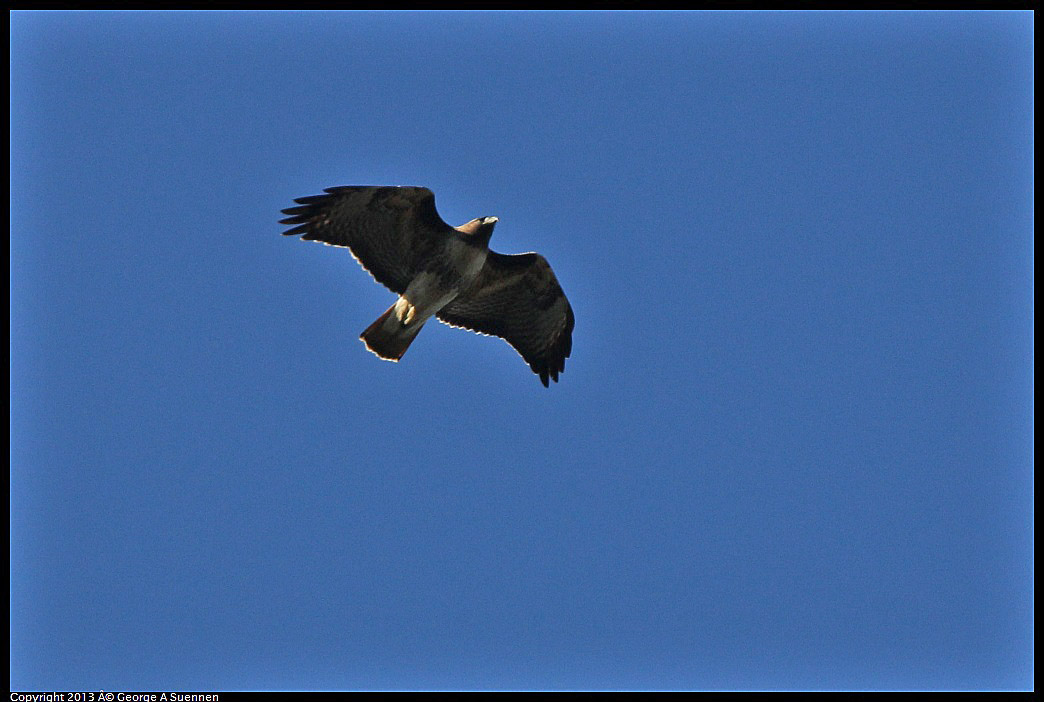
(481, 228)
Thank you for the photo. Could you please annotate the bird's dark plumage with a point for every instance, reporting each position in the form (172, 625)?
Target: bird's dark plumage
(391, 231)
(398, 236)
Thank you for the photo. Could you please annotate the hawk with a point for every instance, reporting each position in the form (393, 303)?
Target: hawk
(397, 235)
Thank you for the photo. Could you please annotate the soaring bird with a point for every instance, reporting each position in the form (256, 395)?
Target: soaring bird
(397, 235)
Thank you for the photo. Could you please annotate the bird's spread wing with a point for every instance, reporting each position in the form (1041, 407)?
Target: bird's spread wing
(389, 230)
(519, 299)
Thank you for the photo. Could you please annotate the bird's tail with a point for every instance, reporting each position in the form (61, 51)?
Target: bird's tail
(388, 337)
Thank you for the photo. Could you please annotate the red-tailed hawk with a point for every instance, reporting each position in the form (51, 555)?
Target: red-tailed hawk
(396, 234)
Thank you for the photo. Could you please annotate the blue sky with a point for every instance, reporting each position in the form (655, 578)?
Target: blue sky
(791, 449)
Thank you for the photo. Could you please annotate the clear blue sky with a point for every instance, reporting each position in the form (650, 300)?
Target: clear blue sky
(792, 447)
